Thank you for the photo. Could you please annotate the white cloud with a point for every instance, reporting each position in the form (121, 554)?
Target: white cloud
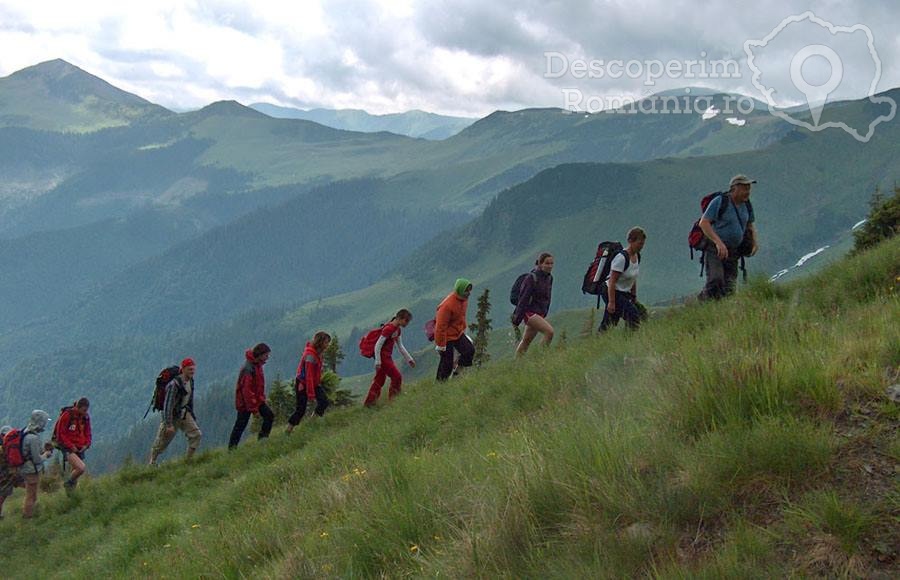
(464, 57)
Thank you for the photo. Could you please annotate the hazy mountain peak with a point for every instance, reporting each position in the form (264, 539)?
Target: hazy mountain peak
(230, 108)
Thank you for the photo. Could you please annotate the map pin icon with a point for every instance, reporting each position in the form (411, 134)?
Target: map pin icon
(816, 95)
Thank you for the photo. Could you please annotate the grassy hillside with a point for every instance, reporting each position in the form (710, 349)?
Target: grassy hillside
(749, 438)
(801, 203)
(58, 96)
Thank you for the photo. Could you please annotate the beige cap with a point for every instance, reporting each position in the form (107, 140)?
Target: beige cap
(741, 179)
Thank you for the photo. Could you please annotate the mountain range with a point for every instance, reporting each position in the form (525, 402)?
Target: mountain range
(415, 123)
(131, 235)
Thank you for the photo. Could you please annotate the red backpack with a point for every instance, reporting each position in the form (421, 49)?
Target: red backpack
(165, 376)
(12, 448)
(368, 341)
(696, 238)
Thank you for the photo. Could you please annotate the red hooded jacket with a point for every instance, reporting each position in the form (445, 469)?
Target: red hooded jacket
(71, 431)
(309, 371)
(250, 392)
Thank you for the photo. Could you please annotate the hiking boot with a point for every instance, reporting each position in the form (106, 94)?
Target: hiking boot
(69, 486)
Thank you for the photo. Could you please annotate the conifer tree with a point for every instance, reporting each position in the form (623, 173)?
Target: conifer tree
(333, 355)
(481, 327)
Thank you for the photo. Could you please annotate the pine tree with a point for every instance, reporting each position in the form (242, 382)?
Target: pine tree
(481, 327)
(333, 355)
(339, 397)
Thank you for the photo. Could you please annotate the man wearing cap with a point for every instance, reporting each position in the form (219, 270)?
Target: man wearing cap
(178, 413)
(727, 221)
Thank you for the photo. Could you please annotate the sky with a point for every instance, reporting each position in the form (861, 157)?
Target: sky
(466, 57)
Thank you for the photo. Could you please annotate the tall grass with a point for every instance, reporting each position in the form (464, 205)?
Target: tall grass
(649, 453)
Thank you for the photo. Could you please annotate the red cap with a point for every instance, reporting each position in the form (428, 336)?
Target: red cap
(188, 362)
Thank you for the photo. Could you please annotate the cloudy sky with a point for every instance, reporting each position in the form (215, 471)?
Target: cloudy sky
(466, 57)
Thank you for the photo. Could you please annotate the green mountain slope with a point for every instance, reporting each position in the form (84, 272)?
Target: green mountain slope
(802, 203)
(37, 266)
(58, 96)
(724, 440)
(418, 124)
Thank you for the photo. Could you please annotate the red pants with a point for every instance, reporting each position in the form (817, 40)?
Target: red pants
(387, 369)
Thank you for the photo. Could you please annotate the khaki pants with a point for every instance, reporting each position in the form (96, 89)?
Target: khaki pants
(187, 425)
(32, 480)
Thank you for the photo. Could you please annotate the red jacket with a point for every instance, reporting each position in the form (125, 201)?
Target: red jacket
(309, 371)
(250, 392)
(71, 431)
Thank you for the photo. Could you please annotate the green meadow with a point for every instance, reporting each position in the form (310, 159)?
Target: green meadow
(748, 438)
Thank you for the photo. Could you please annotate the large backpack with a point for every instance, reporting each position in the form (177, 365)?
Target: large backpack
(697, 239)
(368, 341)
(165, 376)
(13, 448)
(58, 428)
(598, 269)
(516, 289)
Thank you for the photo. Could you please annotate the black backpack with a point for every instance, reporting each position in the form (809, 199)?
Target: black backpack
(516, 289)
(165, 376)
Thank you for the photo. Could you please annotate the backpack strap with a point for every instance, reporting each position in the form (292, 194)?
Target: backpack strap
(723, 204)
(625, 255)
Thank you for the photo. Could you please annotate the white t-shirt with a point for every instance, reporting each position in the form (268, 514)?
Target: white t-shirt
(627, 277)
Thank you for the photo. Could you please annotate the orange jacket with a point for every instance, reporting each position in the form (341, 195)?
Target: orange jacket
(450, 322)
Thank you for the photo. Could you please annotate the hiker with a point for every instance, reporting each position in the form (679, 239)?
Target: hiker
(308, 382)
(534, 303)
(731, 234)
(34, 452)
(72, 436)
(250, 395)
(9, 477)
(450, 330)
(620, 292)
(384, 358)
(178, 413)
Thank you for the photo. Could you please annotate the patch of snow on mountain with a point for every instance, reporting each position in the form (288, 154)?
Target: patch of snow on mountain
(809, 256)
(710, 113)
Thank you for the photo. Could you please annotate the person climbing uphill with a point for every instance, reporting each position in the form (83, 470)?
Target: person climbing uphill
(308, 381)
(250, 395)
(383, 352)
(450, 330)
(534, 303)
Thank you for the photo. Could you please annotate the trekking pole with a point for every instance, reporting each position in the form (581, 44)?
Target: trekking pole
(147, 412)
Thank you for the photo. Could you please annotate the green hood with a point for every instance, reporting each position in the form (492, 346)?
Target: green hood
(460, 286)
